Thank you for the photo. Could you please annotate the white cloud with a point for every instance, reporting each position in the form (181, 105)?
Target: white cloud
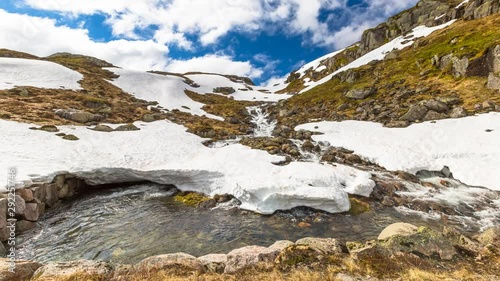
(210, 20)
(215, 64)
(41, 37)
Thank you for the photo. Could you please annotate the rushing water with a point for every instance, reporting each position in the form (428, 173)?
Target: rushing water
(263, 126)
(125, 225)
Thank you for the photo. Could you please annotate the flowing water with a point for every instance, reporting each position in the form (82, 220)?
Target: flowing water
(125, 225)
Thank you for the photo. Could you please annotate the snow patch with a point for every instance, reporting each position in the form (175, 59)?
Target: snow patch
(163, 152)
(167, 90)
(465, 145)
(36, 73)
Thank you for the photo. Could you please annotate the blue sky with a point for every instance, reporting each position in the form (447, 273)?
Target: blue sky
(261, 39)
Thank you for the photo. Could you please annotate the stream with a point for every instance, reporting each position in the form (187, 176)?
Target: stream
(126, 225)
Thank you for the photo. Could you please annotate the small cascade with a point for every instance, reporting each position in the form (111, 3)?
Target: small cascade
(308, 156)
(263, 126)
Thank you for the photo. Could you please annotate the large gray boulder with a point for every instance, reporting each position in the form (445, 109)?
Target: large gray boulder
(214, 262)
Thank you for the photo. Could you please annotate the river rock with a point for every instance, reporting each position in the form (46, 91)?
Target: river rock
(399, 228)
(31, 213)
(26, 194)
(328, 246)
(20, 205)
(23, 225)
(24, 270)
(249, 256)
(168, 261)
(74, 270)
(214, 262)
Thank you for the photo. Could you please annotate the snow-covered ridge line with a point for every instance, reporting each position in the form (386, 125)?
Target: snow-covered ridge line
(164, 152)
(468, 146)
(398, 43)
(36, 73)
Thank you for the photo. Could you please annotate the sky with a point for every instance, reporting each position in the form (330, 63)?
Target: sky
(262, 39)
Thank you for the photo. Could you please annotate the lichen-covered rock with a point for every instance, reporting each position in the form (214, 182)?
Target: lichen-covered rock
(78, 270)
(214, 262)
(24, 270)
(328, 246)
(249, 256)
(399, 228)
(164, 262)
(437, 106)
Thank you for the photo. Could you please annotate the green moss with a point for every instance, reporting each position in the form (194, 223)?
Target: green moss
(191, 198)
(358, 207)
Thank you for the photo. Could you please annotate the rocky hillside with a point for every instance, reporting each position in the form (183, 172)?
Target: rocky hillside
(451, 73)
(426, 12)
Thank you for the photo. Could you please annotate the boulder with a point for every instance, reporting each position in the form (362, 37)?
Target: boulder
(493, 81)
(26, 194)
(399, 228)
(148, 118)
(22, 226)
(424, 243)
(328, 246)
(24, 270)
(433, 115)
(416, 112)
(360, 94)
(78, 116)
(249, 256)
(214, 262)
(125, 128)
(20, 205)
(437, 106)
(169, 261)
(49, 128)
(458, 112)
(74, 270)
(31, 213)
(102, 128)
(460, 66)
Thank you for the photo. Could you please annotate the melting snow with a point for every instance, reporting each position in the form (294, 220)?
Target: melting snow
(164, 153)
(35, 73)
(464, 145)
